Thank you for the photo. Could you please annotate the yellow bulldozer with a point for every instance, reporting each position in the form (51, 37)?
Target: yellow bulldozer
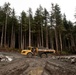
(33, 51)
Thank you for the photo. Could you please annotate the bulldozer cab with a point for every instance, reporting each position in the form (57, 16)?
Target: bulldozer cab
(34, 50)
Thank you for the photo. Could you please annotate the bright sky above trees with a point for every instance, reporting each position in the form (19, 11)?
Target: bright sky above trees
(67, 6)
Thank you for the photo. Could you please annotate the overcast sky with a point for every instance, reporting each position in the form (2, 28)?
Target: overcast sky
(67, 6)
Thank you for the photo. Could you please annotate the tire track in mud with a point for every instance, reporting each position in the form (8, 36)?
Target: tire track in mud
(23, 66)
(36, 66)
(14, 68)
(32, 66)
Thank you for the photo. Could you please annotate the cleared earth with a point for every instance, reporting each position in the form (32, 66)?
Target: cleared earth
(20, 65)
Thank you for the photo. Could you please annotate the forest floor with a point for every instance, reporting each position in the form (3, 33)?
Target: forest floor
(21, 65)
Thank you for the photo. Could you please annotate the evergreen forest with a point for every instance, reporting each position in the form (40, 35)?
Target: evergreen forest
(46, 29)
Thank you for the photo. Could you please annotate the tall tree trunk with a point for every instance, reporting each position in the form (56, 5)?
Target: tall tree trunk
(46, 35)
(2, 36)
(60, 41)
(69, 45)
(8, 41)
(72, 40)
(13, 38)
(38, 40)
(41, 35)
(51, 42)
(29, 29)
(46, 39)
(73, 48)
(21, 38)
(64, 43)
(5, 31)
(29, 34)
(25, 41)
(56, 40)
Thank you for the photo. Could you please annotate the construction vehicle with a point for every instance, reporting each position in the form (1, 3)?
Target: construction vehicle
(31, 51)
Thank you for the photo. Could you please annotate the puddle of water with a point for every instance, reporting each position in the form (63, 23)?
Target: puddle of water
(36, 71)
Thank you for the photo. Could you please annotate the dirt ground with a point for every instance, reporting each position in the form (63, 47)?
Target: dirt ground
(20, 65)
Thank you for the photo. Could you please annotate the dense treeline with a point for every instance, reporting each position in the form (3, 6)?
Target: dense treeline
(44, 29)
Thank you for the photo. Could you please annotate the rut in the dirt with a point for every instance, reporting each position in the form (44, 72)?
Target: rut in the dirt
(36, 66)
(24, 66)
(14, 68)
(54, 65)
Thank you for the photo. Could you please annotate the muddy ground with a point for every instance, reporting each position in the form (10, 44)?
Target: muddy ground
(21, 65)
